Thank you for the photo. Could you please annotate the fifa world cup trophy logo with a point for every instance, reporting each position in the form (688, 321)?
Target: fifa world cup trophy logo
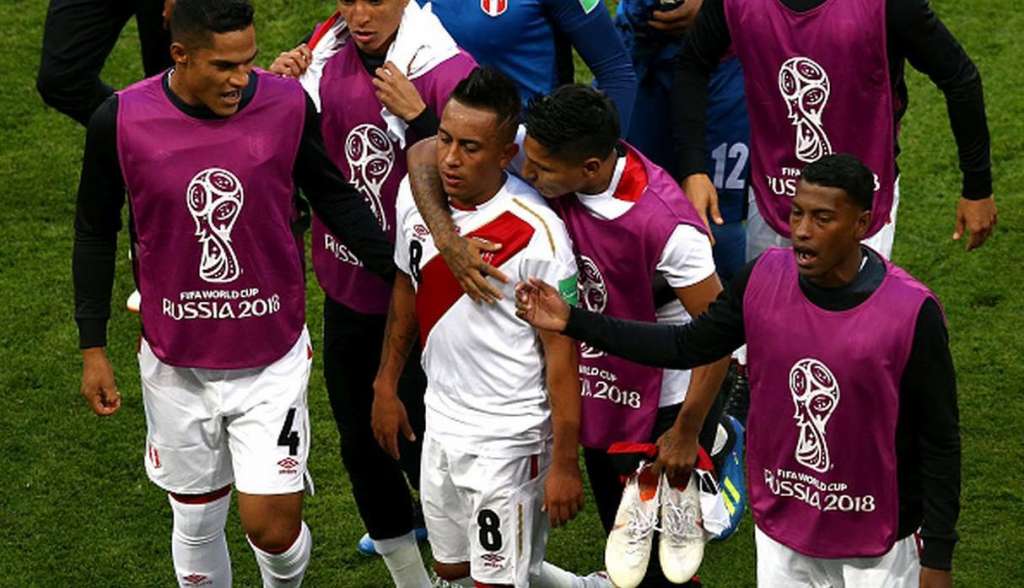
(816, 396)
(215, 199)
(370, 157)
(805, 87)
(593, 295)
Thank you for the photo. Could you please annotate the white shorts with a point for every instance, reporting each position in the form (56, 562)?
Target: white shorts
(209, 428)
(761, 236)
(780, 567)
(485, 510)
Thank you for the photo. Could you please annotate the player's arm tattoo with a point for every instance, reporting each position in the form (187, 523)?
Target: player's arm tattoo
(462, 256)
(400, 331)
(428, 193)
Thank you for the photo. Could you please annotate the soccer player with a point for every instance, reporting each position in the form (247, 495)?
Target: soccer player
(352, 85)
(531, 41)
(853, 448)
(652, 32)
(608, 193)
(79, 36)
(210, 154)
(817, 84)
(502, 403)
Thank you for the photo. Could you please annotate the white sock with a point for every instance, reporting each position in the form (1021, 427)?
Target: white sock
(552, 576)
(198, 545)
(280, 570)
(402, 557)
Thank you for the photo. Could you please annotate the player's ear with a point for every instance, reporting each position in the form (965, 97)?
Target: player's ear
(591, 166)
(509, 153)
(863, 222)
(179, 54)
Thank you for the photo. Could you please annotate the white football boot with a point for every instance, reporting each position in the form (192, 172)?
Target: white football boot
(628, 550)
(681, 547)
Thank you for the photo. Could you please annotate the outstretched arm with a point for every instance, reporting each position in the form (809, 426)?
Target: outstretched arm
(461, 255)
(712, 336)
(388, 416)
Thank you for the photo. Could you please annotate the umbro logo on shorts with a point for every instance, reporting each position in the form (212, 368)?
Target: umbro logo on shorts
(288, 466)
(492, 560)
(195, 579)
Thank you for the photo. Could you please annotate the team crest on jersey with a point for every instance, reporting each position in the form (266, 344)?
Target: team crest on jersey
(815, 395)
(214, 198)
(494, 8)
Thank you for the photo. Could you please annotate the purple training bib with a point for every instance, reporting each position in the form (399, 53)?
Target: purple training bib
(617, 261)
(216, 263)
(824, 404)
(817, 82)
(358, 143)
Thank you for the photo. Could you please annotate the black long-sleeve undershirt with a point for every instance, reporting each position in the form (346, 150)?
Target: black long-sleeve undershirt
(101, 196)
(927, 432)
(914, 34)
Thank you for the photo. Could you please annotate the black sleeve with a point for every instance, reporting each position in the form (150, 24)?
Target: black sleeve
(97, 222)
(702, 51)
(929, 382)
(712, 336)
(337, 203)
(931, 49)
(423, 126)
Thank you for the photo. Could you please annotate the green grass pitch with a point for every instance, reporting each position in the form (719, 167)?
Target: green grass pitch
(76, 508)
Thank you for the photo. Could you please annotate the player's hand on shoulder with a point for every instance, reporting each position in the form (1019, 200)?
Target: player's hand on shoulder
(977, 217)
(677, 452)
(563, 493)
(541, 305)
(388, 418)
(294, 63)
(933, 578)
(704, 197)
(98, 386)
(397, 93)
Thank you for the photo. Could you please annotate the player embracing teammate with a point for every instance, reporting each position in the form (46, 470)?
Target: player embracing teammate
(608, 194)
(502, 405)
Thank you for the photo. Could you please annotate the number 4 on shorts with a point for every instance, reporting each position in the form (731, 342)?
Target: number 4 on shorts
(289, 438)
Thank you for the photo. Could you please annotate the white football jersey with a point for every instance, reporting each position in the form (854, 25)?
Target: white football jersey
(486, 387)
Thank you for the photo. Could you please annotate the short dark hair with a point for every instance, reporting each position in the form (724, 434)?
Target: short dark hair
(196, 21)
(574, 123)
(488, 89)
(846, 172)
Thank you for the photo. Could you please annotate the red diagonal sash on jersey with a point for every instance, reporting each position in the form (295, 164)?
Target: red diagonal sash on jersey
(439, 290)
(634, 179)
